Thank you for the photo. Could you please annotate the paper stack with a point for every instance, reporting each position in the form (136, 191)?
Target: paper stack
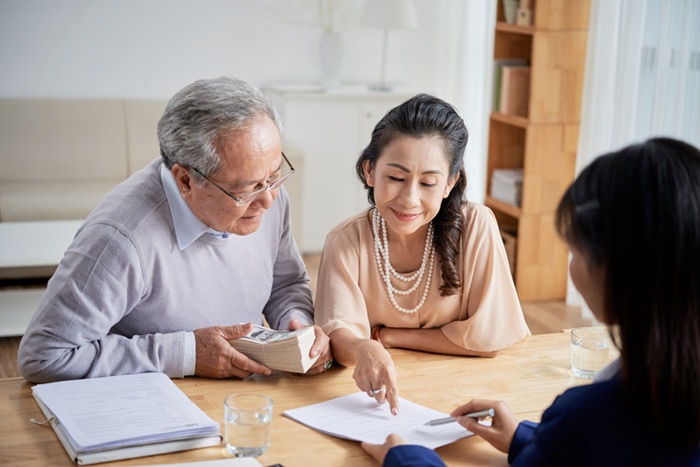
(278, 350)
(120, 417)
(507, 185)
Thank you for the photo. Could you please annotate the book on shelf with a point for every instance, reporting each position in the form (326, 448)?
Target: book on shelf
(122, 417)
(278, 350)
(498, 65)
(507, 186)
(515, 90)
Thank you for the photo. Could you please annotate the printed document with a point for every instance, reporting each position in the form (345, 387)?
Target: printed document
(359, 417)
(118, 417)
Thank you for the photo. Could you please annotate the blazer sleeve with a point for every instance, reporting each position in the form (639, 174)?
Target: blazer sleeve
(412, 455)
(522, 437)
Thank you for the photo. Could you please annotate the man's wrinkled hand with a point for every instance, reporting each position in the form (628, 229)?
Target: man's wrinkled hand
(321, 348)
(216, 358)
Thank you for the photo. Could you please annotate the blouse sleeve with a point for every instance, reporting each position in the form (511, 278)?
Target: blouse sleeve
(339, 300)
(494, 317)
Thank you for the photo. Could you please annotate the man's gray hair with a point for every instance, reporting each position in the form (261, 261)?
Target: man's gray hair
(200, 116)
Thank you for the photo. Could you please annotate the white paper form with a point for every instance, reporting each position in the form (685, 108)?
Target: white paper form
(360, 418)
(116, 411)
(229, 462)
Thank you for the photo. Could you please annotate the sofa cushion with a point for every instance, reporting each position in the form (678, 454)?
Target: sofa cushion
(32, 201)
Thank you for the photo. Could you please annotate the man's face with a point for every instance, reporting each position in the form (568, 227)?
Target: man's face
(250, 157)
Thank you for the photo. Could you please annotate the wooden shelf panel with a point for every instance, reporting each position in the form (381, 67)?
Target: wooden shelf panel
(505, 208)
(502, 26)
(514, 120)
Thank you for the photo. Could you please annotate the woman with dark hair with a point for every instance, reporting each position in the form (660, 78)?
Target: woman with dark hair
(423, 268)
(632, 221)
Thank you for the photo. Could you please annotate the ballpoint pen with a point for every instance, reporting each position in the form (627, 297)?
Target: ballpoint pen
(480, 414)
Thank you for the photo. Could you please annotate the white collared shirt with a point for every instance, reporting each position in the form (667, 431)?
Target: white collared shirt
(188, 228)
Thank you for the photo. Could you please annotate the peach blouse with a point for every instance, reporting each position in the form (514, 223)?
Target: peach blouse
(486, 316)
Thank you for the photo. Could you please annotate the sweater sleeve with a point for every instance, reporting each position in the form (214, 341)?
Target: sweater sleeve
(96, 284)
(411, 455)
(290, 297)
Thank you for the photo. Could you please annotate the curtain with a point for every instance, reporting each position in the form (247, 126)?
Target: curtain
(466, 64)
(642, 78)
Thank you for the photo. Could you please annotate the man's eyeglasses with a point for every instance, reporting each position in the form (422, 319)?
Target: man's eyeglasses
(247, 198)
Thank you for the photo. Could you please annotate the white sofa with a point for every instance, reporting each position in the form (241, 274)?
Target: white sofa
(61, 156)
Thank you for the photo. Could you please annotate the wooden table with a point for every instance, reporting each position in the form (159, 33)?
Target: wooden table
(527, 375)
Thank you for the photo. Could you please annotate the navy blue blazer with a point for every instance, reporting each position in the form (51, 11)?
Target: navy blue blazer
(590, 425)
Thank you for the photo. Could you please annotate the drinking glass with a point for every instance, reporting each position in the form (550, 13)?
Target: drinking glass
(247, 424)
(590, 347)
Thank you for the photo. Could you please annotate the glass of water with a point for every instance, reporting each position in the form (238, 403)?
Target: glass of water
(247, 424)
(590, 347)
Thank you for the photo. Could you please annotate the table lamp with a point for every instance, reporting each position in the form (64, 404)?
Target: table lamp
(386, 15)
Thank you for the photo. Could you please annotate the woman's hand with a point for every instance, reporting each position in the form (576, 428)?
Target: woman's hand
(503, 424)
(375, 374)
(378, 451)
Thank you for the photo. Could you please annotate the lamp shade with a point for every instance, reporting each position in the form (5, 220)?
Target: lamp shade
(389, 14)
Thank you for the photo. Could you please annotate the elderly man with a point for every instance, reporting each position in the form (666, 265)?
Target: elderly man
(168, 266)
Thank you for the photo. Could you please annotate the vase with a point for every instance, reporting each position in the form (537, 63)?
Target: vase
(331, 58)
(510, 10)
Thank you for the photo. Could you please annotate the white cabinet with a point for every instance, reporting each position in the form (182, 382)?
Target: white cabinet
(328, 129)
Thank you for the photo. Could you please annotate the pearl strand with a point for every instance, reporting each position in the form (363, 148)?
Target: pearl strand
(378, 220)
(381, 252)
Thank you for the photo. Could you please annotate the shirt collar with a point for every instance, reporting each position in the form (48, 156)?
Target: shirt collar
(611, 371)
(188, 227)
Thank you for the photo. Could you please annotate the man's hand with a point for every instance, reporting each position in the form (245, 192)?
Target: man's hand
(378, 451)
(321, 347)
(216, 358)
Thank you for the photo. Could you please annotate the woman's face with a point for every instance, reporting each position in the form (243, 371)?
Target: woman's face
(410, 179)
(589, 280)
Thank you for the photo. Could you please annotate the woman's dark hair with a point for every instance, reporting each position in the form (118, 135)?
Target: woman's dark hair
(636, 213)
(424, 115)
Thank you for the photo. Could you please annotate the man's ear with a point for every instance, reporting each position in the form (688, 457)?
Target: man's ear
(183, 179)
(368, 169)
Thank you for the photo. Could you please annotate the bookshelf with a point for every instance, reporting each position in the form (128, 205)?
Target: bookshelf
(543, 143)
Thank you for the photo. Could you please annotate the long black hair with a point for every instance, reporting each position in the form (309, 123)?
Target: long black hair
(426, 115)
(636, 212)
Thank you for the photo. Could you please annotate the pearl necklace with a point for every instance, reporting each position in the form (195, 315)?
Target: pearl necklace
(386, 270)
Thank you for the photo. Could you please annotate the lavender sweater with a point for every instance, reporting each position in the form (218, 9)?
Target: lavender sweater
(125, 295)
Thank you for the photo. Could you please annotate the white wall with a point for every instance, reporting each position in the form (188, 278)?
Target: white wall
(151, 48)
